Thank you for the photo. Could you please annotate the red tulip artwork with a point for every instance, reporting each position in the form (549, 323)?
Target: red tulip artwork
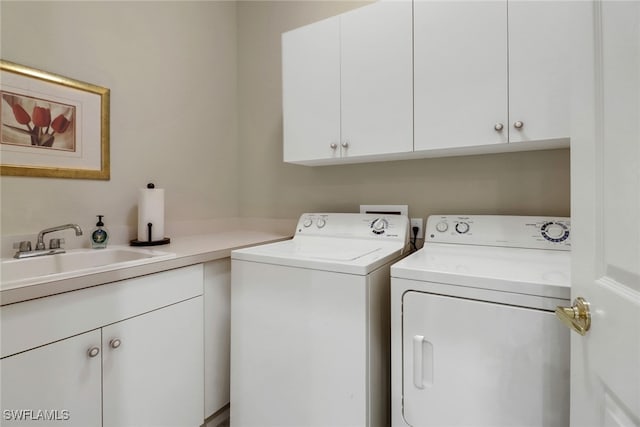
(36, 122)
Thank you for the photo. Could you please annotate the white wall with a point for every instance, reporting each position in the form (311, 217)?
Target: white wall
(171, 68)
(196, 108)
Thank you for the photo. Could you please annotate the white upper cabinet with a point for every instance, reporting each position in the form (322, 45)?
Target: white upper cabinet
(402, 79)
(490, 72)
(311, 91)
(539, 59)
(460, 73)
(347, 86)
(377, 74)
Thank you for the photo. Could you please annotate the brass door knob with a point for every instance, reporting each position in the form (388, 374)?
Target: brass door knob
(576, 317)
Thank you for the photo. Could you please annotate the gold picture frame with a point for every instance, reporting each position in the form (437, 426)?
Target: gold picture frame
(52, 126)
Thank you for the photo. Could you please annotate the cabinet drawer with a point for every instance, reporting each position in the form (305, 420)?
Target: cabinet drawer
(37, 322)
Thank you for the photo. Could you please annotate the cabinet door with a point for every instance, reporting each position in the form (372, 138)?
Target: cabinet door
(155, 375)
(377, 79)
(58, 383)
(460, 73)
(539, 53)
(311, 91)
(217, 330)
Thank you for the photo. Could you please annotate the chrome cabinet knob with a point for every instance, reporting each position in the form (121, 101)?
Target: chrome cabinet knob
(114, 343)
(93, 352)
(518, 125)
(498, 126)
(333, 145)
(345, 144)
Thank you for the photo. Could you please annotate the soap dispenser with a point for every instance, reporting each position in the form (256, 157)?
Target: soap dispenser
(99, 235)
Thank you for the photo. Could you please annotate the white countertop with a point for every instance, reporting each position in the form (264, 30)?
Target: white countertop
(190, 249)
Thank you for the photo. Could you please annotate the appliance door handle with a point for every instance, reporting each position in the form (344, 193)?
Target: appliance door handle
(422, 362)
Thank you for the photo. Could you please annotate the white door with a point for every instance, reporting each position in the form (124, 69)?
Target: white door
(56, 384)
(605, 168)
(153, 374)
(538, 69)
(311, 91)
(377, 79)
(460, 73)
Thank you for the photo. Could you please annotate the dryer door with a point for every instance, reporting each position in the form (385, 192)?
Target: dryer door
(468, 362)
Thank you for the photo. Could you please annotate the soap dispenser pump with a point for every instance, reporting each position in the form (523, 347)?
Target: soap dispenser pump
(99, 236)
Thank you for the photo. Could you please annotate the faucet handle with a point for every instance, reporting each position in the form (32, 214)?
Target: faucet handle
(23, 246)
(55, 243)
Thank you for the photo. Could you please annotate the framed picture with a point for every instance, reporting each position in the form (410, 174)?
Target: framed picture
(52, 126)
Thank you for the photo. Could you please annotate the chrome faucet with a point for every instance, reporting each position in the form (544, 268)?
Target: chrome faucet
(40, 243)
(24, 247)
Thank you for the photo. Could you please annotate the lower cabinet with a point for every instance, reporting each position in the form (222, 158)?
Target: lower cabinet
(152, 368)
(217, 334)
(132, 370)
(59, 383)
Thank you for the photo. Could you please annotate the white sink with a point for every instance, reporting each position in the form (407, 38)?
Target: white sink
(73, 263)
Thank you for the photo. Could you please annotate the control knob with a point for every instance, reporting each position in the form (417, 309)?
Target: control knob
(442, 226)
(379, 225)
(307, 223)
(554, 232)
(321, 223)
(462, 227)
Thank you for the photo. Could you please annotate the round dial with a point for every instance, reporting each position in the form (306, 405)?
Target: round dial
(307, 222)
(321, 223)
(554, 231)
(442, 226)
(462, 227)
(379, 225)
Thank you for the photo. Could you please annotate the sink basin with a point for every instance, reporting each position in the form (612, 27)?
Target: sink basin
(76, 262)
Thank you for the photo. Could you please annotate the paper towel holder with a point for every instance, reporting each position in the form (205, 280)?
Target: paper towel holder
(136, 242)
(149, 242)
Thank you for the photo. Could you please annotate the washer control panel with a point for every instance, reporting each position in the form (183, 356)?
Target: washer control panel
(501, 230)
(379, 226)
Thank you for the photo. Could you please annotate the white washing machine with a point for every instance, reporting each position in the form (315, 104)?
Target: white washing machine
(310, 326)
(474, 338)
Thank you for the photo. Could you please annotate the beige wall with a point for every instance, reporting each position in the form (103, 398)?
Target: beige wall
(196, 108)
(171, 68)
(535, 183)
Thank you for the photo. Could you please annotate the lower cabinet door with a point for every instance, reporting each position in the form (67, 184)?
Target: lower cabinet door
(56, 384)
(217, 331)
(153, 368)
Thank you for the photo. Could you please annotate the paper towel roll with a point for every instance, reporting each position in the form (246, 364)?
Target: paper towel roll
(151, 210)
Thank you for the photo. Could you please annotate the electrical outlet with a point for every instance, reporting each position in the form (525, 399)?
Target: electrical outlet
(417, 222)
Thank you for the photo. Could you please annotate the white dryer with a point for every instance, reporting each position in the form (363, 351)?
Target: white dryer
(474, 338)
(310, 326)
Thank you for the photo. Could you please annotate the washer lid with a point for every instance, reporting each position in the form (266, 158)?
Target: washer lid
(526, 271)
(352, 256)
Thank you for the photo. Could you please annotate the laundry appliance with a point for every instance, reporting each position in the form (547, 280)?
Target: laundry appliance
(310, 323)
(474, 338)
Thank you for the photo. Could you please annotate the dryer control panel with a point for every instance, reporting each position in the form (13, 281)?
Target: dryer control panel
(352, 225)
(501, 230)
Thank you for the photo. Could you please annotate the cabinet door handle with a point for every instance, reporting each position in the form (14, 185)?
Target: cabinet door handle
(518, 125)
(114, 343)
(345, 144)
(93, 352)
(498, 126)
(333, 145)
